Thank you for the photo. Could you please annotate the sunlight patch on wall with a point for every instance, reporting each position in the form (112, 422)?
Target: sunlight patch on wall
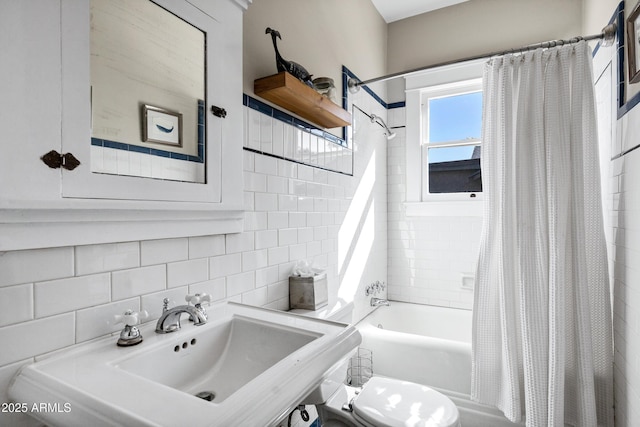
(355, 213)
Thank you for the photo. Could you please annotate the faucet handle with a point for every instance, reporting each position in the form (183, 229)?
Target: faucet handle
(198, 298)
(130, 317)
(130, 335)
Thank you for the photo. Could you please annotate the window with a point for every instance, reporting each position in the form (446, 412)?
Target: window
(443, 135)
(451, 124)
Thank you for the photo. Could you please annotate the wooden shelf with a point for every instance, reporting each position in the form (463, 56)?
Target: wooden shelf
(290, 93)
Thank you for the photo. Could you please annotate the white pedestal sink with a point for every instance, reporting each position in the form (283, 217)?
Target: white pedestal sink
(247, 366)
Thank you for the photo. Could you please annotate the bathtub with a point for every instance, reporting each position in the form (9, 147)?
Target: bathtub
(428, 345)
(425, 344)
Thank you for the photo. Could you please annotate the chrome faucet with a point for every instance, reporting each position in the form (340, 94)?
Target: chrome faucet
(378, 301)
(170, 319)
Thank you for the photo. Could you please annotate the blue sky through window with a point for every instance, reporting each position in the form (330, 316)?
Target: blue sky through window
(454, 118)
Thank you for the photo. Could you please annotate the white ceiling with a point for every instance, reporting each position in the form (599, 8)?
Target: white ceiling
(394, 10)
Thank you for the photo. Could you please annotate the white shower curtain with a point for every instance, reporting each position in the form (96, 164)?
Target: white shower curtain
(542, 340)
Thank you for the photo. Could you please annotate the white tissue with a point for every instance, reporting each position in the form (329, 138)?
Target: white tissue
(303, 269)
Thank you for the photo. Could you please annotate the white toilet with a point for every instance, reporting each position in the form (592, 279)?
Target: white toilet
(387, 402)
(381, 402)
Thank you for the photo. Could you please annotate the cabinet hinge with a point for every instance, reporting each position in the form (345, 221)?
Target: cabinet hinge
(55, 160)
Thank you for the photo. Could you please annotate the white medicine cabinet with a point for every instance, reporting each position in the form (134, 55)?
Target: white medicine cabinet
(121, 120)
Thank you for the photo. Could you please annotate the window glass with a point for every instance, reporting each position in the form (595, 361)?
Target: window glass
(454, 170)
(455, 118)
(452, 145)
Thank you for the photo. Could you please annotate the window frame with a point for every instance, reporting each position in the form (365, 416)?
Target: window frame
(415, 84)
(442, 91)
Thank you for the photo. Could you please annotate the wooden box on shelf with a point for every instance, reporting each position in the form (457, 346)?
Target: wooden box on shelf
(288, 92)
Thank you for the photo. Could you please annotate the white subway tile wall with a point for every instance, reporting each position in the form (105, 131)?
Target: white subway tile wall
(20, 266)
(44, 335)
(624, 252)
(124, 162)
(10, 312)
(428, 255)
(100, 258)
(54, 298)
(73, 293)
(274, 137)
(138, 281)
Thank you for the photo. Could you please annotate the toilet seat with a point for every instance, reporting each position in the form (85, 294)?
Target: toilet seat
(394, 403)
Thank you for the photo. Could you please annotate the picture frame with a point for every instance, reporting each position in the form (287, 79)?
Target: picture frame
(161, 126)
(633, 44)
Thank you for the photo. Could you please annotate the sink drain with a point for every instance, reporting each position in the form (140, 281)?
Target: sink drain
(206, 395)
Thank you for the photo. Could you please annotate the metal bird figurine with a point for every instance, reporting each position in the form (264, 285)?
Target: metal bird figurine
(291, 67)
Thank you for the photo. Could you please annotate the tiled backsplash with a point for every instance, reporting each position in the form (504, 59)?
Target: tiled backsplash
(56, 297)
(273, 133)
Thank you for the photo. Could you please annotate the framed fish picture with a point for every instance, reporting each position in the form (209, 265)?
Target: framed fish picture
(161, 126)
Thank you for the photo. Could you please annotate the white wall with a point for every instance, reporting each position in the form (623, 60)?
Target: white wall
(622, 210)
(321, 35)
(596, 14)
(625, 211)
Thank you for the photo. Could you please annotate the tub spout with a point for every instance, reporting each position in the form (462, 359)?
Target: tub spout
(378, 301)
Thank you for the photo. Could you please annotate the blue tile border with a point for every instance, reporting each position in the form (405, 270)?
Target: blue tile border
(345, 98)
(106, 143)
(263, 108)
(400, 104)
(256, 104)
(618, 19)
(623, 107)
(347, 74)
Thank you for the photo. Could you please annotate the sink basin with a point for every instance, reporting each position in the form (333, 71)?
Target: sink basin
(247, 366)
(221, 359)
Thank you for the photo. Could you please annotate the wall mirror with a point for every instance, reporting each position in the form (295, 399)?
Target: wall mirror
(148, 86)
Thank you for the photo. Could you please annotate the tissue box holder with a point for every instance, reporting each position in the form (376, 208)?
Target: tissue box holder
(308, 293)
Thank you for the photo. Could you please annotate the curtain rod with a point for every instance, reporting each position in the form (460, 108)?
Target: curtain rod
(608, 36)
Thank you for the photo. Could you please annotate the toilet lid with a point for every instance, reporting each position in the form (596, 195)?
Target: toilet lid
(395, 403)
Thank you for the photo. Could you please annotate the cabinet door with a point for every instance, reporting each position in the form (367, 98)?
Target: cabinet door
(46, 105)
(89, 181)
(30, 112)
